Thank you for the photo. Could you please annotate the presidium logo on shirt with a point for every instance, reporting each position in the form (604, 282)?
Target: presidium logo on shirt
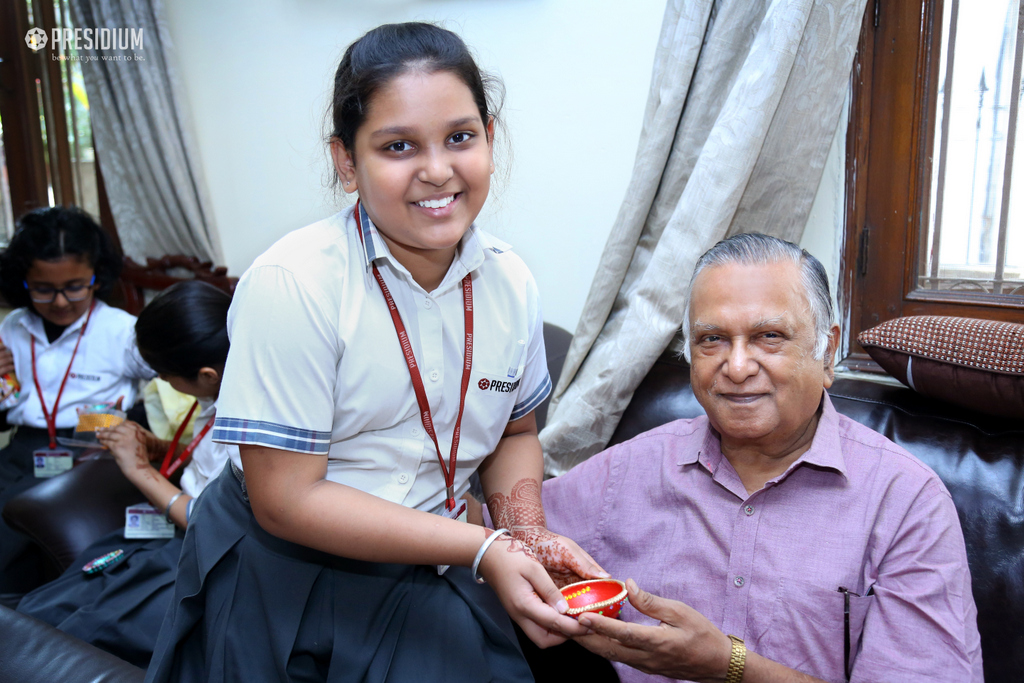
(85, 377)
(498, 386)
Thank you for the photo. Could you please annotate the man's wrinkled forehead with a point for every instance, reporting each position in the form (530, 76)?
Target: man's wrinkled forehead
(783, 320)
(769, 295)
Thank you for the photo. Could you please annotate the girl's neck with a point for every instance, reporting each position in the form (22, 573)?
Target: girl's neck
(53, 331)
(427, 266)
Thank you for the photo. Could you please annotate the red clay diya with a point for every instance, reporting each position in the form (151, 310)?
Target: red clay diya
(600, 596)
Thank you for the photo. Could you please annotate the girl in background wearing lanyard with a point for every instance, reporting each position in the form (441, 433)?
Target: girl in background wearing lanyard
(319, 561)
(182, 334)
(67, 349)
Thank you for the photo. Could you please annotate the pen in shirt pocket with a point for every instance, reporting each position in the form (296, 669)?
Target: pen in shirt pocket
(517, 356)
(846, 626)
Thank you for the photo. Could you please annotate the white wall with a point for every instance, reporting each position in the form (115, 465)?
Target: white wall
(824, 231)
(257, 76)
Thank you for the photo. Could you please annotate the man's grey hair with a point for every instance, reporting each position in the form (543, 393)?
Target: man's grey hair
(755, 248)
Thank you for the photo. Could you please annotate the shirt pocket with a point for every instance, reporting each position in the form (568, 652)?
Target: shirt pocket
(807, 629)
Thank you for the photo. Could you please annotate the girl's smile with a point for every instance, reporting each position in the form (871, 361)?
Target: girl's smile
(422, 166)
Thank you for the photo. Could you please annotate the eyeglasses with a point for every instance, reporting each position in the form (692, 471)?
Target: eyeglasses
(47, 295)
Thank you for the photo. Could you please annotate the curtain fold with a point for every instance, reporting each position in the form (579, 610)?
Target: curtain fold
(143, 135)
(744, 101)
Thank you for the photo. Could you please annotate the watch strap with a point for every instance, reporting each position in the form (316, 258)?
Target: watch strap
(737, 661)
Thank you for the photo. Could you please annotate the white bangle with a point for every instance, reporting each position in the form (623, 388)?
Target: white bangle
(174, 499)
(483, 549)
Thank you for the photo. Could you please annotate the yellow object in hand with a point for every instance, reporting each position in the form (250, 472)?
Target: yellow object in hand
(90, 422)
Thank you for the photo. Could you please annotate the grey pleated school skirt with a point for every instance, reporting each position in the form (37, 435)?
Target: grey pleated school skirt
(251, 607)
(119, 609)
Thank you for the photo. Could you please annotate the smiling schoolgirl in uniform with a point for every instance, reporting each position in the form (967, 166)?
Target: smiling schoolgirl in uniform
(67, 348)
(362, 347)
(182, 334)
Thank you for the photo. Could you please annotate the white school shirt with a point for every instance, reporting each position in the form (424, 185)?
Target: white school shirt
(209, 457)
(315, 365)
(107, 365)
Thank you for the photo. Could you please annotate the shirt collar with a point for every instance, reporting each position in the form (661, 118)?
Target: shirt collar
(33, 323)
(473, 249)
(207, 407)
(826, 447)
(825, 450)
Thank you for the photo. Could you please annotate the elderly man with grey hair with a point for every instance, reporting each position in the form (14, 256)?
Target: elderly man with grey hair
(779, 540)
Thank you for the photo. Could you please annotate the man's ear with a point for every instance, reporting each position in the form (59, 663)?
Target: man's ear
(344, 166)
(830, 356)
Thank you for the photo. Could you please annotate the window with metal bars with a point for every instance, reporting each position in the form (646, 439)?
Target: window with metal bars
(934, 221)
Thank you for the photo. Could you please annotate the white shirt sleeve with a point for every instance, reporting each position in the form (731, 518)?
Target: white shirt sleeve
(536, 382)
(279, 381)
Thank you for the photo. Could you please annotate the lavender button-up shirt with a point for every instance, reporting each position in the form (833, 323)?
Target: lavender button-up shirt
(854, 511)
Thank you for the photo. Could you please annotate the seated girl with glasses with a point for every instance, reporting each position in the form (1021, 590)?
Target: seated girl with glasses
(183, 335)
(66, 348)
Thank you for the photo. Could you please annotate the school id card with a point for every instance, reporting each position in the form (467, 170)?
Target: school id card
(49, 462)
(145, 521)
(459, 514)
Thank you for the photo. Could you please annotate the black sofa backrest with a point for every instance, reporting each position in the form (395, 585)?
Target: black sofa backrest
(979, 458)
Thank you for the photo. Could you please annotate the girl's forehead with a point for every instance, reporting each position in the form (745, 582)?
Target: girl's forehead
(58, 270)
(420, 99)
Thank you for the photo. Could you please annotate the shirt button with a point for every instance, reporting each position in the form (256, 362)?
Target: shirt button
(414, 431)
(427, 303)
(402, 478)
(738, 581)
(434, 375)
(749, 510)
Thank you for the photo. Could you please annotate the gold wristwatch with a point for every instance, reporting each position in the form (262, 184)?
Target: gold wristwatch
(737, 661)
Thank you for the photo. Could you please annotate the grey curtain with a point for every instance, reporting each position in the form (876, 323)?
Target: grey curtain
(143, 135)
(744, 102)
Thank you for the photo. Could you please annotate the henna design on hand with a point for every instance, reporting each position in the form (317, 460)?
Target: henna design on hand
(522, 513)
(516, 546)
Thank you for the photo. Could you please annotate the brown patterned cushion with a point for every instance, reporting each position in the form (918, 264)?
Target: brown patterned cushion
(977, 364)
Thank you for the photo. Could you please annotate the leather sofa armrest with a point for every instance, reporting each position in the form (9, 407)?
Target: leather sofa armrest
(32, 651)
(66, 514)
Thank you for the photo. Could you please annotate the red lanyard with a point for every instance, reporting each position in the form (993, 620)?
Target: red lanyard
(51, 418)
(417, 381)
(168, 468)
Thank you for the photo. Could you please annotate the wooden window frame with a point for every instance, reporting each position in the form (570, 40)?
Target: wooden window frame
(23, 137)
(889, 167)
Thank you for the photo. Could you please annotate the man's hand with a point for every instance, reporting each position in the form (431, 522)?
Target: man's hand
(685, 645)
